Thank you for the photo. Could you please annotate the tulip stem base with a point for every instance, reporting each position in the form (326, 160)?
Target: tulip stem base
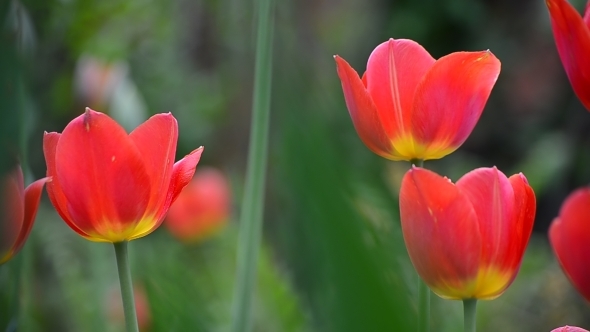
(417, 162)
(124, 270)
(423, 307)
(469, 309)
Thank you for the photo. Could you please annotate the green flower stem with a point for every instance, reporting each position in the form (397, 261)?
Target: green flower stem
(423, 307)
(124, 270)
(469, 309)
(253, 201)
(423, 290)
(417, 162)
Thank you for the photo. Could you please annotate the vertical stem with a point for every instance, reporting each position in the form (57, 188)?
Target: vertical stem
(469, 309)
(253, 201)
(423, 307)
(124, 270)
(423, 290)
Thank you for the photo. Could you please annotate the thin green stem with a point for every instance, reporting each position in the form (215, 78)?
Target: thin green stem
(124, 269)
(253, 201)
(423, 290)
(423, 307)
(469, 317)
(417, 162)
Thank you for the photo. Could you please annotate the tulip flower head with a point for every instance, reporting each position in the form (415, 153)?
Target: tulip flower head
(572, 37)
(569, 235)
(110, 186)
(18, 211)
(410, 106)
(569, 329)
(466, 240)
(202, 207)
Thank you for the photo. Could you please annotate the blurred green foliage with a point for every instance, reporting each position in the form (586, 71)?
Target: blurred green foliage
(333, 257)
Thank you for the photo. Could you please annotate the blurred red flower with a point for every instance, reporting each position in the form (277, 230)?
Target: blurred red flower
(109, 186)
(572, 37)
(569, 235)
(202, 207)
(410, 106)
(466, 240)
(18, 211)
(115, 311)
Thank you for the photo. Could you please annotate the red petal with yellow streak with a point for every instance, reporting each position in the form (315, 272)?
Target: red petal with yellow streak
(362, 110)
(440, 231)
(569, 235)
(572, 37)
(394, 70)
(451, 98)
(102, 173)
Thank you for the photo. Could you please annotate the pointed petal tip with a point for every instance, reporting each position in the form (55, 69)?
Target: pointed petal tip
(89, 110)
(523, 178)
(340, 62)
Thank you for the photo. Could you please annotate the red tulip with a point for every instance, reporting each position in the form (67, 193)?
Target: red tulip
(466, 240)
(570, 238)
(18, 211)
(410, 106)
(569, 329)
(201, 208)
(109, 186)
(572, 37)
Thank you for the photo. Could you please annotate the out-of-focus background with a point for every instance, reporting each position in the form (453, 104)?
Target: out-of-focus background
(333, 258)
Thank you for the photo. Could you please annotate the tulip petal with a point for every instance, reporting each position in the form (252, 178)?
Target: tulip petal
(362, 110)
(156, 141)
(182, 174)
(394, 71)
(103, 174)
(572, 37)
(525, 206)
(492, 198)
(569, 235)
(441, 233)
(54, 190)
(31, 201)
(450, 100)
